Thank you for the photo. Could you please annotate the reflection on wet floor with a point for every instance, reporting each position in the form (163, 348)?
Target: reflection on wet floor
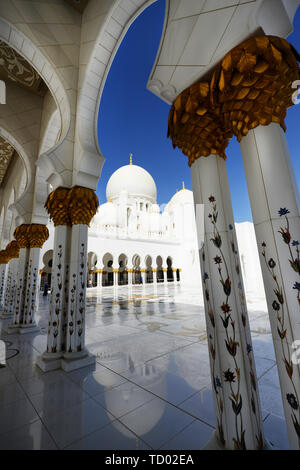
(150, 387)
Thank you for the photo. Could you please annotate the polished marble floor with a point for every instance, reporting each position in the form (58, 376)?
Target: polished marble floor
(150, 387)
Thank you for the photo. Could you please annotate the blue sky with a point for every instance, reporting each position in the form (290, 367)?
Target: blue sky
(131, 119)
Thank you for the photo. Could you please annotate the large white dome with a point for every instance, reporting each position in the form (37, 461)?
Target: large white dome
(134, 180)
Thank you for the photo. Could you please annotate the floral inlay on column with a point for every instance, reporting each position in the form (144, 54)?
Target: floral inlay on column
(231, 375)
(280, 310)
(216, 382)
(255, 404)
(71, 210)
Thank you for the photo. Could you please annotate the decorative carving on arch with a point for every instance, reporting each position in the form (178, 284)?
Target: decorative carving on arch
(6, 154)
(123, 14)
(14, 67)
(36, 59)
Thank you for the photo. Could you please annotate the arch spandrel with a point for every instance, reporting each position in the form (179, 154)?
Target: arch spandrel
(114, 20)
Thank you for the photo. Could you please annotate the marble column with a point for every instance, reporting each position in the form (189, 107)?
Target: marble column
(20, 235)
(20, 291)
(144, 276)
(116, 277)
(75, 331)
(154, 273)
(3, 277)
(275, 205)
(99, 278)
(37, 235)
(234, 383)
(71, 210)
(57, 206)
(130, 272)
(12, 250)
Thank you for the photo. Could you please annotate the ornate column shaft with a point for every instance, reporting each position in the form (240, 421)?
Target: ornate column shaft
(144, 275)
(12, 251)
(57, 207)
(130, 272)
(71, 210)
(37, 234)
(3, 276)
(275, 208)
(20, 235)
(237, 407)
(116, 275)
(255, 94)
(82, 206)
(99, 278)
(250, 88)
(154, 271)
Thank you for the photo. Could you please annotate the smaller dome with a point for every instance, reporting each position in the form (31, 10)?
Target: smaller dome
(184, 196)
(106, 215)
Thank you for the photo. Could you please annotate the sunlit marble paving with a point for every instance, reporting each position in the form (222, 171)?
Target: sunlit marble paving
(150, 388)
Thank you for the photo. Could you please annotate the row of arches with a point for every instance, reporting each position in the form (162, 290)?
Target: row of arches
(119, 270)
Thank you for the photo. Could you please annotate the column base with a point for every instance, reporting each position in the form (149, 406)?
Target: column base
(69, 363)
(6, 316)
(21, 330)
(28, 329)
(11, 329)
(47, 364)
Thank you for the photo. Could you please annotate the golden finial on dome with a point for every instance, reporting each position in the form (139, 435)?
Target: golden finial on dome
(183, 187)
(130, 163)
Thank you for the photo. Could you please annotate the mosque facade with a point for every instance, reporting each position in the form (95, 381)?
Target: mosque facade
(227, 69)
(132, 240)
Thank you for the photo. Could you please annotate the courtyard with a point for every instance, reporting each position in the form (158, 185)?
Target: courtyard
(150, 387)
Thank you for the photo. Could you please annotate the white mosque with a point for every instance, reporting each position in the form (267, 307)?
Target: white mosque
(134, 241)
(131, 241)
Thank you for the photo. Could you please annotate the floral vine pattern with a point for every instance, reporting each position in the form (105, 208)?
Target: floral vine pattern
(72, 310)
(76, 322)
(65, 309)
(7, 293)
(54, 320)
(27, 295)
(12, 295)
(217, 385)
(232, 377)
(255, 405)
(2, 282)
(81, 309)
(279, 308)
(33, 296)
